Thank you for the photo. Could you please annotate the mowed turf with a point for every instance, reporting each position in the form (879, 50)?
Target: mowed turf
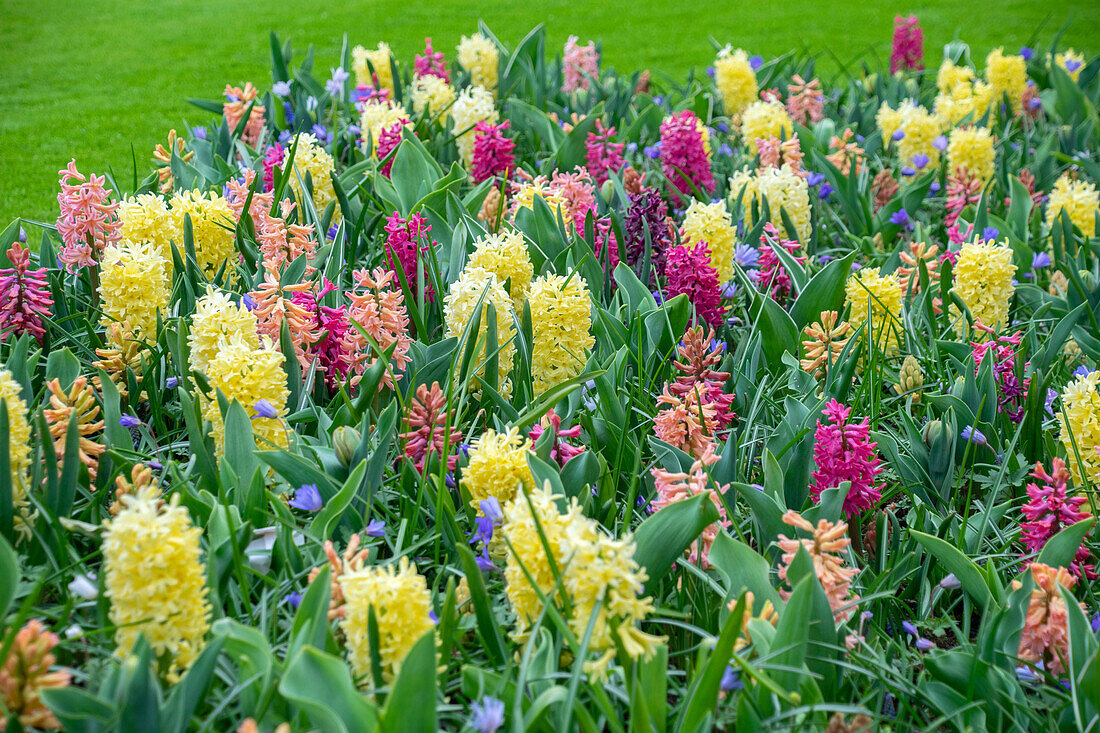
(104, 81)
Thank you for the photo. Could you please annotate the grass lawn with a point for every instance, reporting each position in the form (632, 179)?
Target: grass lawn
(89, 79)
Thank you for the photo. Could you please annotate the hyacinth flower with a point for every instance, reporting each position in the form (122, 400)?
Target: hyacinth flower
(580, 65)
(498, 467)
(771, 277)
(274, 304)
(1050, 509)
(18, 448)
(843, 452)
(845, 153)
(648, 212)
(431, 62)
(699, 355)
(984, 282)
(688, 271)
(908, 273)
(907, 50)
(273, 157)
(825, 549)
(686, 422)
(134, 287)
(963, 190)
(1079, 429)
(805, 101)
(427, 432)
(24, 296)
(561, 451)
(407, 242)
(163, 157)
(712, 225)
(672, 487)
(823, 342)
(254, 377)
(492, 151)
(1045, 636)
(603, 157)
(156, 580)
(352, 558)
(238, 101)
(685, 154)
(377, 306)
(1011, 391)
(78, 404)
(87, 222)
(875, 302)
(27, 671)
(561, 326)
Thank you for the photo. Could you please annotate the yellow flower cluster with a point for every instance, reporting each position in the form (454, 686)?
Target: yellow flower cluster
(471, 107)
(971, 147)
(956, 93)
(1080, 427)
(155, 579)
(212, 225)
(1005, 75)
(1080, 201)
(379, 58)
(561, 324)
(983, 281)
(433, 94)
(217, 318)
(1070, 55)
(920, 128)
(401, 603)
(712, 223)
(479, 56)
(247, 374)
(311, 157)
(765, 119)
(782, 188)
(961, 94)
(598, 574)
(134, 286)
(19, 448)
(735, 79)
(504, 254)
(378, 115)
(145, 218)
(458, 309)
(523, 197)
(875, 301)
(497, 468)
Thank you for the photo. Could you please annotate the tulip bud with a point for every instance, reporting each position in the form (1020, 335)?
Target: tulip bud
(607, 190)
(345, 441)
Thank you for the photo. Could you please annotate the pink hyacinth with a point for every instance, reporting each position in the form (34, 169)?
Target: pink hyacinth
(24, 296)
(404, 241)
(579, 191)
(492, 151)
(689, 271)
(274, 156)
(601, 155)
(431, 62)
(1011, 391)
(908, 48)
(844, 452)
(87, 221)
(578, 64)
(388, 140)
(772, 277)
(963, 190)
(1049, 510)
(332, 323)
(561, 450)
(675, 486)
(684, 159)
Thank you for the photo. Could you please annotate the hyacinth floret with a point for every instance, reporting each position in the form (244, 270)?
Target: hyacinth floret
(843, 451)
(1050, 509)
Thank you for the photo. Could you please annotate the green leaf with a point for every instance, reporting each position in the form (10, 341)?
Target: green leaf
(824, 292)
(1060, 549)
(326, 520)
(310, 625)
(78, 709)
(9, 576)
(319, 684)
(778, 332)
(955, 562)
(665, 535)
(411, 706)
(193, 688)
(742, 568)
(703, 693)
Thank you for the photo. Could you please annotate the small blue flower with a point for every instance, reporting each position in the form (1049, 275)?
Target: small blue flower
(824, 191)
(940, 143)
(909, 628)
(731, 680)
(321, 133)
(449, 480)
(232, 98)
(1072, 65)
(925, 645)
(866, 616)
(755, 62)
(1040, 260)
(934, 188)
(725, 149)
(632, 147)
(433, 617)
(288, 112)
(722, 127)
(1049, 404)
(483, 531)
(856, 267)
(658, 100)
(920, 160)
(484, 562)
(973, 435)
(909, 171)
(710, 71)
(198, 132)
(815, 178)
(1027, 53)
(652, 151)
(335, 85)
(657, 296)
(247, 302)
(263, 408)
(1034, 103)
(1024, 674)
(900, 217)
(285, 136)
(898, 135)
(746, 255)
(730, 290)
(1096, 622)
(172, 382)
(354, 130)
(155, 465)
(129, 421)
(281, 89)
(1081, 371)
(375, 528)
(311, 104)
(487, 716)
(990, 233)
(491, 509)
(464, 448)
(307, 498)
(294, 598)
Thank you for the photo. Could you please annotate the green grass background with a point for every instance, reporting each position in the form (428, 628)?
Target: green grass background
(91, 78)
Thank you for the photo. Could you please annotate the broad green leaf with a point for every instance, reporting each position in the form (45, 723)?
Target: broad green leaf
(665, 535)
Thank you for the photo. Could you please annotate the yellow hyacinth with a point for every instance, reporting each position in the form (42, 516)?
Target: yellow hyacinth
(216, 317)
(919, 127)
(377, 116)
(19, 447)
(598, 574)
(156, 580)
(379, 58)
(972, 148)
(311, 158)
(505, 255)
(475, 285)
(1006, 75)
(497, 468)
(1080, 428)
(875, 301)
(248, 375)
(951, 77)
(735, 79)
(401, 603)
(146, 218)
(1080, 201)
(134, 286)
(433, 94)
(479, 56)
(712, 223)
(983, 281)
(765, 119)
(471, 107)
(561, 323)
(783, 189)
(212, 225)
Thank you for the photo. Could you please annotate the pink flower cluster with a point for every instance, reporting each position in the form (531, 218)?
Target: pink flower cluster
(843, 451)
(907, 52)
(274, 156)
(87, 222)
(24, 296)
(404, 242)
(578, 64)
(431, 62)
(699, 354)
(492, 151)
(772, 277)
(684, 158)
(561, 450)
(689, 271)
(388, 140)
(1012, 392)
(601, 155)
(676, 486)
(1049, 510)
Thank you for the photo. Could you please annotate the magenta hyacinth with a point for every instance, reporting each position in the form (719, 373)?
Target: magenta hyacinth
(690, 272)
(602, 156)
(684, 158)
(431, 63)
(492, 151)
(88, 221)
(907, 53)
(1011, 391)
(772, 277)
(844, 452)
(405, 241)
(561, 451)
(274, 156)
(1049, 510)
(388, 140)
(24, 296)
